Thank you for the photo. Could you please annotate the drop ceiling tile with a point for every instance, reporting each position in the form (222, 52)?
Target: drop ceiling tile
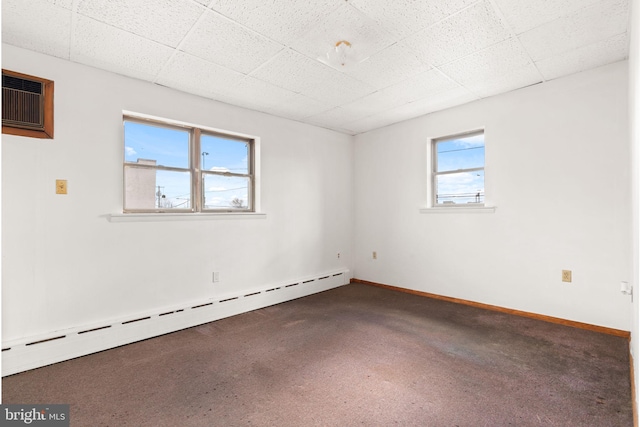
(499, 58)
(305, 106)
(344, 23)
(584, 58)
(516, 79)
(406, 17)
(425, 85)
(164, 21)
(468, 31)
(368, 123)
(199, 77)
(293, 71)
(261, 96)
(372, 104)
(408, 111)
(250, 87)
(589, 25)
(37, 25)
(109, 48)
(338, 89)
(296, 107)
(388, 67)
(420, 86)
(523, 15)
(227, 43)
(501, 67)
(281, 20)
(438, 101)
(67, 4)
(335, 117)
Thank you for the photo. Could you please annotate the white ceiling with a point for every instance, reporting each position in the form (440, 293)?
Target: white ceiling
(424, 55)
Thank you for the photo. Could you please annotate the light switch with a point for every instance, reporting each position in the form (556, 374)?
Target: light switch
(61, 186)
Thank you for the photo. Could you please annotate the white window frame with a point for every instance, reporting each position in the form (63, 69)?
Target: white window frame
(432, 159)
(197, 174)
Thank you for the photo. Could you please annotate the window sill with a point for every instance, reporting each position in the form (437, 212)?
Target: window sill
(459, 209)
(150, 217)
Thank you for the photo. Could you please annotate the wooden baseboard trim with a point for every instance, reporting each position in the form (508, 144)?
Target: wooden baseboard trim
(550, 319)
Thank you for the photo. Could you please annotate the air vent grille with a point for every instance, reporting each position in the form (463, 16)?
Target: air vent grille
(16, 83)
(27, 105)
(22, 103)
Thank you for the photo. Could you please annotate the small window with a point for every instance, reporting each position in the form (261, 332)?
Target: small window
(458, 170)
(174, 168)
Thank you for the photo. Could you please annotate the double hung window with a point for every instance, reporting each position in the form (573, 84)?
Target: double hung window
(458, 170)
(174, 168)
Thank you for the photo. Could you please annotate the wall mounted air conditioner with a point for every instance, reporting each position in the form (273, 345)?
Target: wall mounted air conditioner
(27, 105)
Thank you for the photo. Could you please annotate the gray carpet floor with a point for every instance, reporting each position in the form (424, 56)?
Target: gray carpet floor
(357, 355)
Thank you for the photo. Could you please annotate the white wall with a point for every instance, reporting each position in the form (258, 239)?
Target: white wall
(558, 171)
(65, 264)
(557, 168)
(634, 125)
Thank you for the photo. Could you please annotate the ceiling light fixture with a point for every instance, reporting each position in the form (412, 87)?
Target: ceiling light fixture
(341, 56)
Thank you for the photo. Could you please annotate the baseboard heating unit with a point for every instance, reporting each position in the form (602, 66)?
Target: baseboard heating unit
(33, 352)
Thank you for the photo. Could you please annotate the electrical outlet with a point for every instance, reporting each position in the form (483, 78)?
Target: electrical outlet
(375, 255)
(566, 276)
(216, 276)
(338, 255)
